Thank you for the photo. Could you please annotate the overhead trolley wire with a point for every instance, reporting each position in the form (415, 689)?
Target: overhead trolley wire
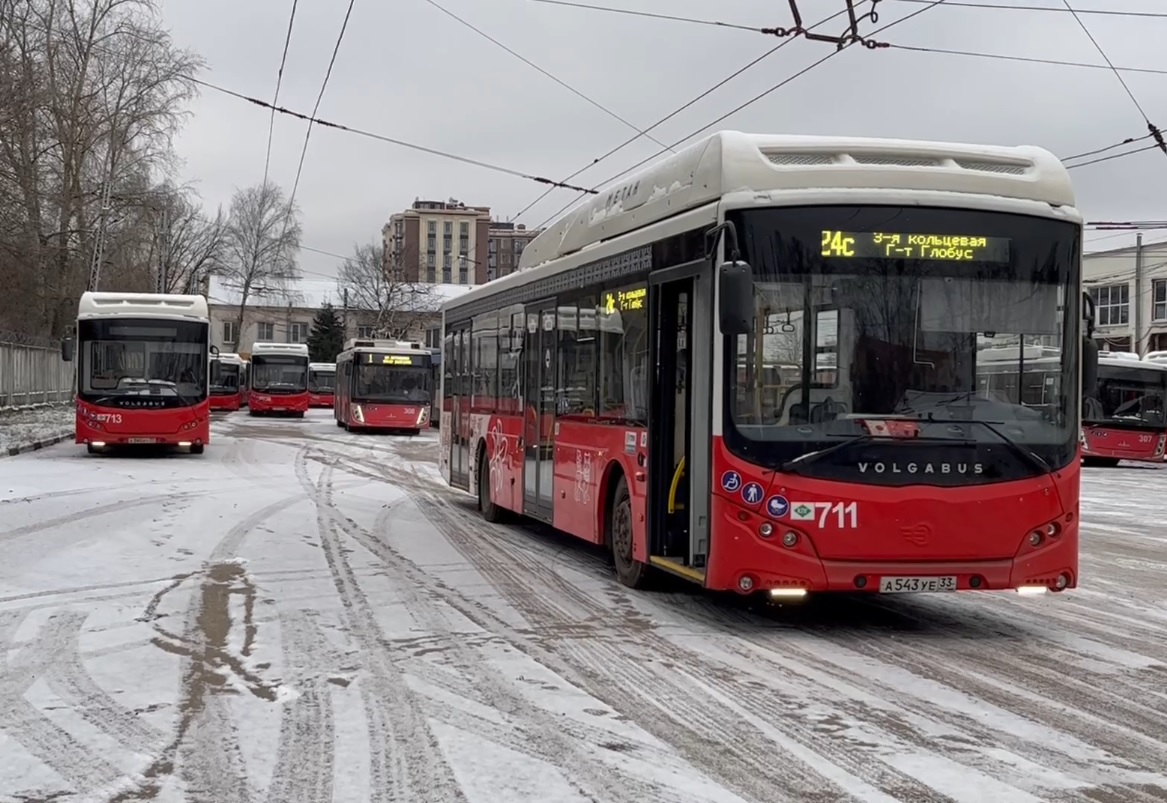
(542, 71)
(271, 125)
(673, 113)
(390, 140)
(1017, 7)
(748, 103)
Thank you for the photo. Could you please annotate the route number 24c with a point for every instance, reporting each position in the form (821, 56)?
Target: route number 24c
(846, 515)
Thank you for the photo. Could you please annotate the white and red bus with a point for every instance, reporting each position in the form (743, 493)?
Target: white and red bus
(878, 269)
(278, 379)
(143, 370)
(383, 384)
(227, 381)
(321, 384)
(1124, 417)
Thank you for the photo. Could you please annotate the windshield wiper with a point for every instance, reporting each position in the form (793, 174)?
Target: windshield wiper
(1036, 460)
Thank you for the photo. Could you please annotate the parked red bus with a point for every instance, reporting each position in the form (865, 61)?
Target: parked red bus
(1123, 418)
(278, 379)
(226, 382)
(598, 389)
(143, 369)
(383, 384)
(321, 384)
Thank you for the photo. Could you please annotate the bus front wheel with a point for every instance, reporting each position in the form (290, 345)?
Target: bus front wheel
(629, 570)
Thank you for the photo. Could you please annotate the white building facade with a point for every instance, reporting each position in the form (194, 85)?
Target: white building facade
(1129, 288)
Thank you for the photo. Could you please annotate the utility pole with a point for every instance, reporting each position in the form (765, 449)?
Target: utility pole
(344, 313)
(1137, 316)
(288, 325)
(163, 248)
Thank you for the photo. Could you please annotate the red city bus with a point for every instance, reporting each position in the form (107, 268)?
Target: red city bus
(143, 369)
(383, 384)
(278, 379)
(619, 385)
(321, 384)
(226, 382)
(1123, 418)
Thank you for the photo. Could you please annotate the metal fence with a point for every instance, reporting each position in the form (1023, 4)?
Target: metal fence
(32, 371)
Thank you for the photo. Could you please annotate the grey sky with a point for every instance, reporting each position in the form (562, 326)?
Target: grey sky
(408, 71)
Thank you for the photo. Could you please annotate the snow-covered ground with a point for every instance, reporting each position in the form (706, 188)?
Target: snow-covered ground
(303, 615)
(25, 425)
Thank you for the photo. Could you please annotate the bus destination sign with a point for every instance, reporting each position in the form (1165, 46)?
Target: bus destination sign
(402, 360)
(626, 300)
(899, 245)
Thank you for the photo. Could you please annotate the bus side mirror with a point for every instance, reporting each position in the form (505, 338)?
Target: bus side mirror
(1089, 365)
(215, 351)
(735, 290)
(1088, 314)
(67, 349)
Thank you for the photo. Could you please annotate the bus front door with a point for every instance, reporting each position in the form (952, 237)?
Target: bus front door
(539, 363)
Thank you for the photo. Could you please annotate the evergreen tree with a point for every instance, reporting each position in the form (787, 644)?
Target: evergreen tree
(326, 339)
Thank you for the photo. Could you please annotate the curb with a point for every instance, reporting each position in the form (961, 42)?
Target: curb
(38, 445)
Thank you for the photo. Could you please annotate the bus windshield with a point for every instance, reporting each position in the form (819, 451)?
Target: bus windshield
(142, 363)
(279, 373)
(392, 384)
(224, 378)
(890, 314)
(321, 381)
(1127, 396)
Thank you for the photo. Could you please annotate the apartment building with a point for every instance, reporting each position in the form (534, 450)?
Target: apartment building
(439, 242)
(1129, 288)
(505, 246)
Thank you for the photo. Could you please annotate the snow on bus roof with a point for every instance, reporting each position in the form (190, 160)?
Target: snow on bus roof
(279, 348)
(731, 161)
(142, 305)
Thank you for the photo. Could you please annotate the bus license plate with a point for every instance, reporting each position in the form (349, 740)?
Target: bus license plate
(141, 440)
(907, 585)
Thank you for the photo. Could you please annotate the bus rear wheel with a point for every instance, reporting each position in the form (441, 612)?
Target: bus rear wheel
(629, 570)
(490, 511)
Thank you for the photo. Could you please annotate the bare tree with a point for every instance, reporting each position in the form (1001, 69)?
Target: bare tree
(374, 281)
(262, 244)
(91, 92)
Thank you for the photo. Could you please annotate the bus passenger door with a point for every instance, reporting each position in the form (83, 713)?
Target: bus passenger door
(460, 413)
(539, 361)
(678, 423)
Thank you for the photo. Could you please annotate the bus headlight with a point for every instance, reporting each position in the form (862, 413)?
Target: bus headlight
(358, 413)
(422, 415)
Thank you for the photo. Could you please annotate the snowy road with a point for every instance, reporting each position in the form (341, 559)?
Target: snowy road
(302, 615)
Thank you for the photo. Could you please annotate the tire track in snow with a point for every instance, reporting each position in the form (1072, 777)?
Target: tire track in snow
(304, 767)
(80, 766)
(92, 513)
(595, 779)
(405, 759)
(931, 684)
(742, 760)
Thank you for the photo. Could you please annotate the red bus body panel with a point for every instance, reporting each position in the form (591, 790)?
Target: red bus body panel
(915, 530)
(277, 403)
(1123, 444)
(115, 426)
(230, 402)
(321, 400)
(376, 415)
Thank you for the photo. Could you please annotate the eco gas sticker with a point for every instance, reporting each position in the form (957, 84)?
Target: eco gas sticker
(802, 511)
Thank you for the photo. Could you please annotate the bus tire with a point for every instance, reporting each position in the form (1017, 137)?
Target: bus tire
(339, 423)
(490, 511)
(629, 571)
(299, 415)
(197, 448)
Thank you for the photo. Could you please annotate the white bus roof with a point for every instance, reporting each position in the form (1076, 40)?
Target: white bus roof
(384, 346)
(228, 357)
(693, 181)
(321, 366)
(261, 349)
(1128, 356)
(142, 305)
